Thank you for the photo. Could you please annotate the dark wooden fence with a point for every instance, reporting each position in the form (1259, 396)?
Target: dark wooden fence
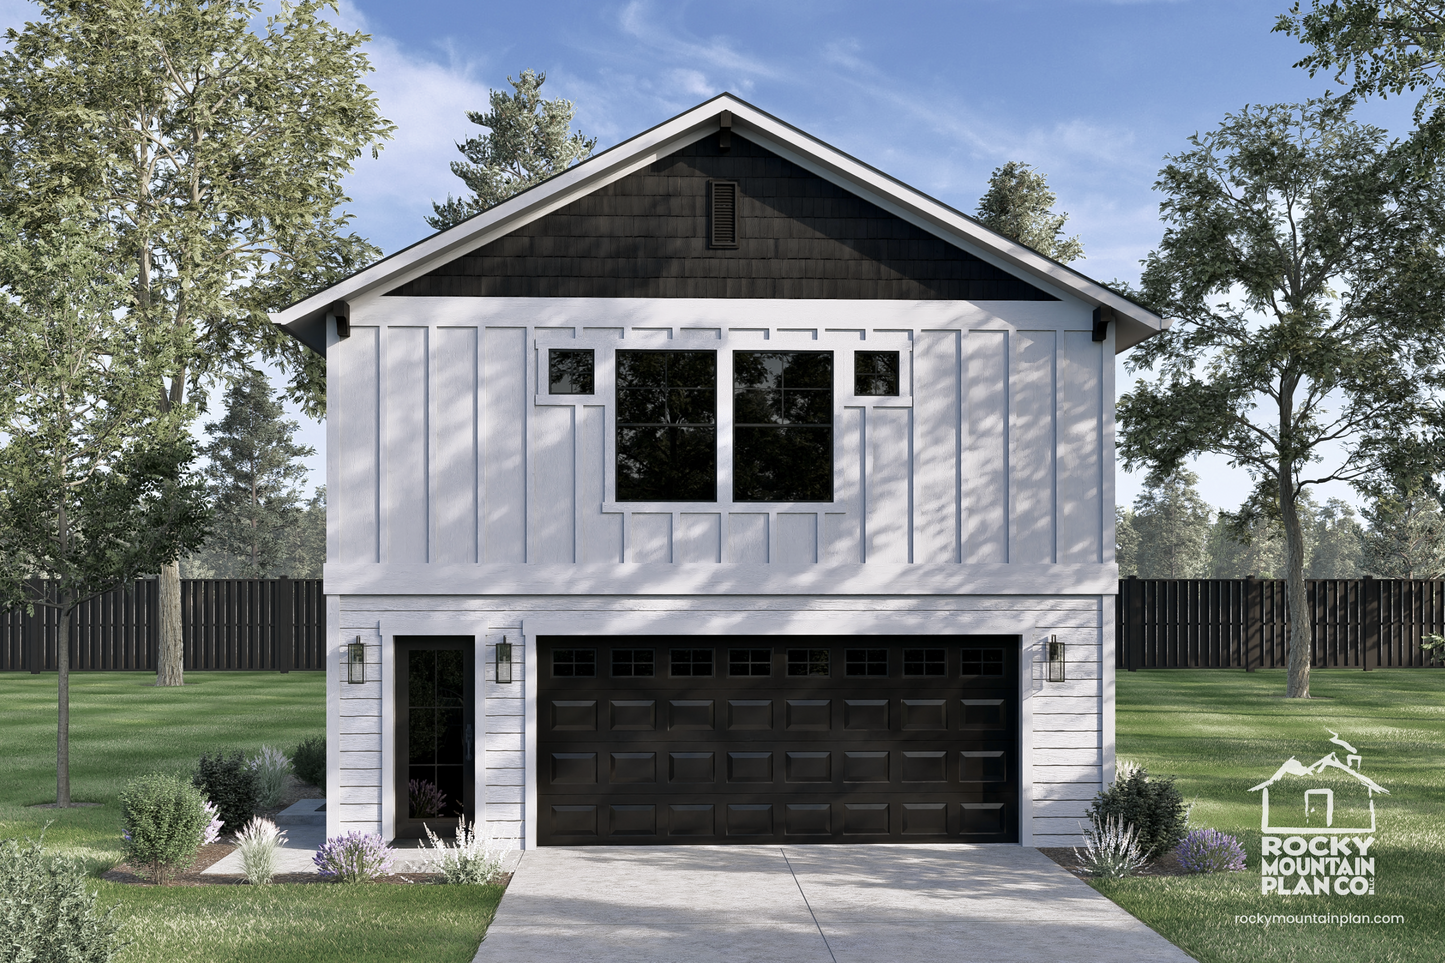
(274, 624)
(1240, 623)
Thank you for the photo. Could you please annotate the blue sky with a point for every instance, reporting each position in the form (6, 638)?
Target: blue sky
(1092, 92)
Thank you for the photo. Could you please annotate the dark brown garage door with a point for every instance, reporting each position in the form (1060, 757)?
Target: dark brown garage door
(747, 739)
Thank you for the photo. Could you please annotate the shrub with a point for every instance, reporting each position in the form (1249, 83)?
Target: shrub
(1210, 851)
(308, 761)
(231, 785)
(425, 798)
(46, 912)
(165, 820)
(1111, 849)
(270, 766)
(353, 858)
(1152, 806)
(474, 859)
(258, 843)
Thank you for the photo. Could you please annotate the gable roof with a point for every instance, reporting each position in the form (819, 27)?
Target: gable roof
(305, 319)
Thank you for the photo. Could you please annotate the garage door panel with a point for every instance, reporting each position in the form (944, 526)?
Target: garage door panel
(763, 756)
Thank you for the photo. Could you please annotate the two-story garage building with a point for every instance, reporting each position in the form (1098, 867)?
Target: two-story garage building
(720, 489)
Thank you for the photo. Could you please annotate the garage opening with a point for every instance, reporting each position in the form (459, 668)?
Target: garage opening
(647, 740)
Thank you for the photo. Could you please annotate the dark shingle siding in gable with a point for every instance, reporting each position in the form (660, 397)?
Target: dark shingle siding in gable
(646, 236)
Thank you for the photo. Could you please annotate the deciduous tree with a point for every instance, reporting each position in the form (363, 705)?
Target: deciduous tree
(212, 145)
(529, 140)
(1303, 279)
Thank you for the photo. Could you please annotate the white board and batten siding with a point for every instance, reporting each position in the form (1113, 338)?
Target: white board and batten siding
(464, 497)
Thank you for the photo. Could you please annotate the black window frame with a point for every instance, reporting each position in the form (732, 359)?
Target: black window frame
(865, 663)
(680, 423)
(572, 663)
(555, 359)
(809, 663)
(867, 375)
(691, 664)
(932, 661)
(778, 426)
(632, 663)
(990, 662)
(752, 662)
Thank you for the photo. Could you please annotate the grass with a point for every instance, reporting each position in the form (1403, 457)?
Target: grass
(121, 726)
(1221, 732)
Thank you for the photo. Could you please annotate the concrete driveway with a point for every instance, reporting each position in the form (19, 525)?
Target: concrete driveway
(830, 904)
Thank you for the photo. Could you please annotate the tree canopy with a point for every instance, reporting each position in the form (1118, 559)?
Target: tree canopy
(529, 140)
(1304, 283)
(1019, 205)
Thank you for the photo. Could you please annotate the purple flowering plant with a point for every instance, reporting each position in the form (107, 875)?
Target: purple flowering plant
(1210, 851)
(353, 858)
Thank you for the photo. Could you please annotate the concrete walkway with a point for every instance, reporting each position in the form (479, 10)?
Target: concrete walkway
(829, 904)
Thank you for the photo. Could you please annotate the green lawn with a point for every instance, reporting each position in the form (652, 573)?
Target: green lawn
(121, 726)
(1222, 732)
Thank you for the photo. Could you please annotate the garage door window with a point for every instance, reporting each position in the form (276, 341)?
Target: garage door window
(574, 663)
(808, 662)
(983, 661)
(691, 662)
(632, 663)
(925, 662)
(750, 662)
(865, 662)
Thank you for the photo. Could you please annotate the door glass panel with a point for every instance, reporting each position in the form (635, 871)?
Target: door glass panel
(436, 742)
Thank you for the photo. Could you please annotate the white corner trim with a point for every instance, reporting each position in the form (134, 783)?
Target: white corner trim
(331, 652)
(1029, 645)
(530, 725)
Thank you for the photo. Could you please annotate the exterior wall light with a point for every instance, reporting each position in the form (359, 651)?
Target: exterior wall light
(504, 661)
(355, 662)
(1056, 659)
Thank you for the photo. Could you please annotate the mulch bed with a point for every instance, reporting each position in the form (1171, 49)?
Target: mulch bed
(1166, 865)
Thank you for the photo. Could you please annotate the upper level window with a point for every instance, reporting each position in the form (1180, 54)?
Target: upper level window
(570, 371)
(875, 373)
(783, 426)
(667, 426)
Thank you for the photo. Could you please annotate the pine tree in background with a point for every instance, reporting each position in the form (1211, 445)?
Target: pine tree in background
(1172, 523)
(1019, 205)
(1406, 537)
(531, 139)
(1126, 542)
(1335, 543)
(254, 476)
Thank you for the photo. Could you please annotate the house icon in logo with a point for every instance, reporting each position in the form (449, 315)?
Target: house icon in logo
(1319, 800)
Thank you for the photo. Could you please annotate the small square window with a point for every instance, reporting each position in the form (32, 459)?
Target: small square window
(808, 662)
(875, 373)
(925, 662)
(691, 662)
(750, 661)
(982, 662)
(574, 663)
(872, 662)
(632, 663)
(570, 371)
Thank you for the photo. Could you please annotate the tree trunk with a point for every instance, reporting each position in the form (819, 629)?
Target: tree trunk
(62, 733)
(1298, 641)
(170, 650)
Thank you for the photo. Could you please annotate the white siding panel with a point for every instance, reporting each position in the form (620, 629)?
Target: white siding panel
(747, 538)
(504, 463)
(503, 794)
(360, 760)
(1081, 479)
(889, 467)
(361, 777)
(698, 538)
(1085, 791)
(1031, 448)
(936, 375)
(553, 509)
(1062, 809)
(361, 743)
(601, 535)
(454, 445)
(358, 725)
(407, 508)
(1066, 757)
(1083, 739)
(985, 478)
(1077, 775)
(797, 538)
(841, 534)
(649, 537)
(354, 365)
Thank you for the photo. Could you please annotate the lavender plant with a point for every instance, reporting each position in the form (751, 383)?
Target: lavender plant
(425, 798)
(1210, 851)
(270, 766)
(476, 859)
(212, 832)
(1111, 849)
(353, 858)
(258, 843)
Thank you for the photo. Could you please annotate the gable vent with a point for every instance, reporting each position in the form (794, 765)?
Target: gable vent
(724, 214)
